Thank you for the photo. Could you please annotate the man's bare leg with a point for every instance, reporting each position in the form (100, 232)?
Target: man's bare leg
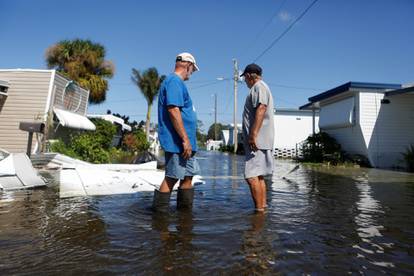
(263, 191)
(256, 190)
(186, 183)
(167, 184)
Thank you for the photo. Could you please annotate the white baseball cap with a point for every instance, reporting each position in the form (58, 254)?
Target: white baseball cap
(187, 57)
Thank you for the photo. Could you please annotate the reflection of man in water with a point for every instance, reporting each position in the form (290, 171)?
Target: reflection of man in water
(177, 252)
(258, 134)
(259, 256)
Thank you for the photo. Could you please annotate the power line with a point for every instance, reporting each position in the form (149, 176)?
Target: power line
(132, 84)
(286, 31)
(205, 85)
(270, 84)
(278, 99)
(294, 87)
(259, 34)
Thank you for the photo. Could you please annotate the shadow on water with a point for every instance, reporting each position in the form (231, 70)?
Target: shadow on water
(319, 221)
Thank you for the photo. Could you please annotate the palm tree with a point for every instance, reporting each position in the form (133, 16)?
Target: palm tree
(148, 83)
(84, 62)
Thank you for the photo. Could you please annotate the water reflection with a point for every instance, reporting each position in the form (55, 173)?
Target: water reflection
(176, 252)
(36, 227)
(235, 170)
(319, 221)
(256, 248)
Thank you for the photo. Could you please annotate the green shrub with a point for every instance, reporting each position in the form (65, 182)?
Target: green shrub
(96, 146)
(135, 141)
(89, 148)
(409, 158)
(321, 147)
(230, 148)
(359, 159)
(61, 147)
(104, 132)
(92, 147)
(119, 156)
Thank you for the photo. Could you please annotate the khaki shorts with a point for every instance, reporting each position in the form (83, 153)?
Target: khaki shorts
(258, 163)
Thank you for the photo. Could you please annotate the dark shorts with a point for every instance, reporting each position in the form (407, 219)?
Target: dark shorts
(177, 167)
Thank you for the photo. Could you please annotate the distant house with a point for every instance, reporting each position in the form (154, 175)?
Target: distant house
(371, 119)
(292, 126)
(227, 135)
(43, 96)
(213, 144)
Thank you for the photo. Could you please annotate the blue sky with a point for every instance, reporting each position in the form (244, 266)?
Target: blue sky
(335, 42)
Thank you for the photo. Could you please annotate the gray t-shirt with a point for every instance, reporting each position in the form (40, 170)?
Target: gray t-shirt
(259, 94)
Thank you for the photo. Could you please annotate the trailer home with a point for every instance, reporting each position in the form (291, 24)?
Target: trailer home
(292, 126)
(371, 119)
(42, 96)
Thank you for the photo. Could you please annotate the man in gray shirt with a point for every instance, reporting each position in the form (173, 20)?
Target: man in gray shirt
(258, 134)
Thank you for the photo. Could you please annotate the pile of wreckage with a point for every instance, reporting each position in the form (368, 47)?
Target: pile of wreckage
(78, 178)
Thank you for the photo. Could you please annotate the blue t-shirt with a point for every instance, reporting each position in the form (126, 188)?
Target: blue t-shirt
(173, 92)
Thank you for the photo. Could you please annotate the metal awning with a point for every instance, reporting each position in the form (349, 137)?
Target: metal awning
(73, 120)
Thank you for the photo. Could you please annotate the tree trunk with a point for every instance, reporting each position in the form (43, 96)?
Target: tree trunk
(147, 123)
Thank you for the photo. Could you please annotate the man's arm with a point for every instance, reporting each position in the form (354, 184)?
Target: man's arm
(257, 124)
(177, 122)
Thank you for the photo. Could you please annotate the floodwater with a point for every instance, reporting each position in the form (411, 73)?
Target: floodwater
(319, 221)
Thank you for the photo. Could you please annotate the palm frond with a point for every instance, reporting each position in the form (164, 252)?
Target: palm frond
(84, 62)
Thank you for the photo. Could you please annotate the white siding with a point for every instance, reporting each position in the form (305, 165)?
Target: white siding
(388, 128)
(292, 128)
(370, 104)
(26, 101)
(350, 137)
(381, 131)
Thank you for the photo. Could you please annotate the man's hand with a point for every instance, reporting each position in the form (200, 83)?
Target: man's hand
(187, 150)
(257, 124)
(252, 141)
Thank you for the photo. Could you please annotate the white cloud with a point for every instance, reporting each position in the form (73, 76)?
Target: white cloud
(284, 16)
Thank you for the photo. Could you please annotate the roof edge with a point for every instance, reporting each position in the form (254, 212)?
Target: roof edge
(352, 84)
(27, 70)
(400, 91)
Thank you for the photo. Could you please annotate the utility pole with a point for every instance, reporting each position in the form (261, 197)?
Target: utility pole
(215, 117)
(236, 78)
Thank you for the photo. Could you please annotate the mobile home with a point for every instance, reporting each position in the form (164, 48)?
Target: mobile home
(44, 96)
(292, 126)
(371, 119)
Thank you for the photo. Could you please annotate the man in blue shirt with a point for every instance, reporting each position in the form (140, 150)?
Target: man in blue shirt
(177, 124)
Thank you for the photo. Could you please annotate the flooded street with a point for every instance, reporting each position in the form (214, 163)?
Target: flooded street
(319, 221)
